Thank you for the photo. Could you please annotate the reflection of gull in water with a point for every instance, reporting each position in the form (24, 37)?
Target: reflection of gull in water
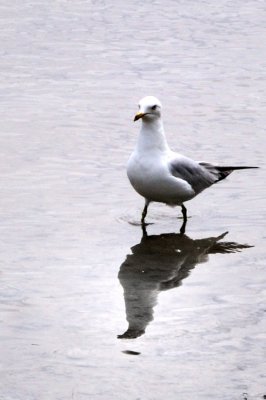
(160, 263)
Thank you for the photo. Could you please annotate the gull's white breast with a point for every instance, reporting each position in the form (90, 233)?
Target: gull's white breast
(150, 176)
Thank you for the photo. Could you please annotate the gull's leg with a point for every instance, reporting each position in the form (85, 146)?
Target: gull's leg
(184, 213)
(144, 231)
(144, 212)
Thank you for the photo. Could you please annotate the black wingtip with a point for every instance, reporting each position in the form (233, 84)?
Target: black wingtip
(234, 168)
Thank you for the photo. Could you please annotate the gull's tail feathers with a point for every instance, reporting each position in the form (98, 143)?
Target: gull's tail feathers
(221, 173)
(225, 171)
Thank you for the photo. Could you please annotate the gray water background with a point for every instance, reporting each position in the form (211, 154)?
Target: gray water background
(71, 76)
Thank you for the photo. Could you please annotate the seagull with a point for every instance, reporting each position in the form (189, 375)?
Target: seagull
(160, 175)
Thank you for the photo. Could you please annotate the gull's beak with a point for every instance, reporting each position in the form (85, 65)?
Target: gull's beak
(138, 116)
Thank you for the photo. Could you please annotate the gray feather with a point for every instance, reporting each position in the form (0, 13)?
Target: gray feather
(200, 175)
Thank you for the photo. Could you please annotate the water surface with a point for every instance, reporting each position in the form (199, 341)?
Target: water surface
(76, 272)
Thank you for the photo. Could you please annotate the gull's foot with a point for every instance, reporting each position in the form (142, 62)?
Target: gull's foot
(183, 228)
(131, 334)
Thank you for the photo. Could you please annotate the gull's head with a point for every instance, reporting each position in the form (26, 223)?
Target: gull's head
(149, 109)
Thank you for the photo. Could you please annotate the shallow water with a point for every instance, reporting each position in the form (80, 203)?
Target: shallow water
(76, 271)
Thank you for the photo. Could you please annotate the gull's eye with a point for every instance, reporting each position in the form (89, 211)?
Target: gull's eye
(154, 107)
(138, 106)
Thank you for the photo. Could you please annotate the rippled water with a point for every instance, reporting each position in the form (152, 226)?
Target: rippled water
(90, 307)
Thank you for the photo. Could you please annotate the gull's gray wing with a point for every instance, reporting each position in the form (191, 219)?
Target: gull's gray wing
(199, 175)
